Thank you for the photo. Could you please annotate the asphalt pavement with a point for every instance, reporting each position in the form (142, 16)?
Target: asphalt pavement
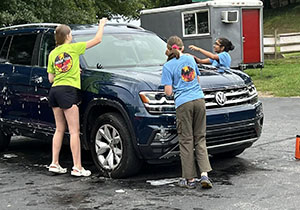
(265, 176)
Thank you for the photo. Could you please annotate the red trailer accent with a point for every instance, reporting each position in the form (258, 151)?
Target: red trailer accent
(251, 36)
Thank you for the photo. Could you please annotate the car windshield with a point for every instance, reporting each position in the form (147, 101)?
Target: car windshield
(121, 50)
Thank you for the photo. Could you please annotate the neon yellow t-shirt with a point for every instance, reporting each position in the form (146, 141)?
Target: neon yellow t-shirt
(64, 63)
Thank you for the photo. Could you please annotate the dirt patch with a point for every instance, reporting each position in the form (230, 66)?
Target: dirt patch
(265, 94)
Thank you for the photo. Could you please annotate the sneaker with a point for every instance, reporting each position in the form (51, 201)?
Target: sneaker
(82, 172)
(187, 184)
(205, 182)
(57, 169)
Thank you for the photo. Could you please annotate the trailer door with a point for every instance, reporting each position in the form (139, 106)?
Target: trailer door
(251, 36)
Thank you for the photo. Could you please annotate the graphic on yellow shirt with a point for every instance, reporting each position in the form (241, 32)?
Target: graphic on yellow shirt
(63, 62)
(188, 74)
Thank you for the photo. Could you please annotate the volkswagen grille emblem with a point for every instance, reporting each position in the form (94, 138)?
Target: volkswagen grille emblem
(220, 98)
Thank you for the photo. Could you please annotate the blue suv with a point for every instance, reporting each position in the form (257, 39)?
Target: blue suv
(125, 116)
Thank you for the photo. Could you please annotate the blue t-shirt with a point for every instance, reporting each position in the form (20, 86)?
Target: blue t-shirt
(182, 75)
(224, 60)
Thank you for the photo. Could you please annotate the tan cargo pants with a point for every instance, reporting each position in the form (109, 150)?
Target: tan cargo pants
(191, 129)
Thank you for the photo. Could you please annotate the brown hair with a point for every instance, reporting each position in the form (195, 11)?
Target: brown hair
(61, 33)
(174, 46)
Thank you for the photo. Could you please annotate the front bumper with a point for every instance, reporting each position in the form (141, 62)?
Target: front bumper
(227, 130)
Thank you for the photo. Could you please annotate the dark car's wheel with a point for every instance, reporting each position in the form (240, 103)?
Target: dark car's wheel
(229, 154)
(111, 147)
(4, 140)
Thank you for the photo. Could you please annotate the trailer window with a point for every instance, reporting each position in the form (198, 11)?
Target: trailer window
(195, 23)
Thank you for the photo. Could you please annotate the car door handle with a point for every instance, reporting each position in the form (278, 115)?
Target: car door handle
(44, 99)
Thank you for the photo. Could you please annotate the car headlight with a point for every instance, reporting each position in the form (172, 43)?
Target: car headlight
(157, 102)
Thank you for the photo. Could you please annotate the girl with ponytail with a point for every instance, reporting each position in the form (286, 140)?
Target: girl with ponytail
(181, 76)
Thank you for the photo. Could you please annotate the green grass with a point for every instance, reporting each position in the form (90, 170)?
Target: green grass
(285, 19)
(280, 78)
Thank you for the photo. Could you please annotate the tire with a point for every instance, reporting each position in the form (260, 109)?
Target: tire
(4, 140)
(229, 154)
(111, 147)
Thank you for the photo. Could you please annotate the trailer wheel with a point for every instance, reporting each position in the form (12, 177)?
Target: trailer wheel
(111, 147)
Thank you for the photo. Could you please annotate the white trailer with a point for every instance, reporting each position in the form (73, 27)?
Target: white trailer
(201, 23)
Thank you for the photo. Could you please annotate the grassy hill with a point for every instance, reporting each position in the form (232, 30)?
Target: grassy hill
(285, 19)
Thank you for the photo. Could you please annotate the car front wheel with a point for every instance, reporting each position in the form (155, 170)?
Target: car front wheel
(111, 147)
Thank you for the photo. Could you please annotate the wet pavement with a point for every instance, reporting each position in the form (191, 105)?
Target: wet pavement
(265, 176)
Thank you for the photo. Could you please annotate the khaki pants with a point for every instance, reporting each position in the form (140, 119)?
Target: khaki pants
(191, 129)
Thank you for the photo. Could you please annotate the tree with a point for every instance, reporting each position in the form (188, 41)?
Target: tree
(128, 9)
(164, 3)
(68, 11)
(267, 4)
(60, 11)
(75, 11)
(72, 11)
(11, 14)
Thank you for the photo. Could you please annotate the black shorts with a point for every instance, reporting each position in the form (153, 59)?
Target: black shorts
(64, 96)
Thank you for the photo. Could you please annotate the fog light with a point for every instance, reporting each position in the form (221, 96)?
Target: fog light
(259, 110)
(163, 135)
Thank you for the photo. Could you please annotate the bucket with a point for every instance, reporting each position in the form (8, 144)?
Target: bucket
(297, 149)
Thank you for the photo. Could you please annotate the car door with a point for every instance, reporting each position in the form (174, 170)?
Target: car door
(5, 71)
(41, 111)
(19, 66)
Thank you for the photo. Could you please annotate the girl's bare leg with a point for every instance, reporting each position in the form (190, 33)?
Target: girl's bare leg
(72, 117)
(60, 123)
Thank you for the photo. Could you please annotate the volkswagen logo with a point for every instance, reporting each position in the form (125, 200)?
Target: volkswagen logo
(220, 98)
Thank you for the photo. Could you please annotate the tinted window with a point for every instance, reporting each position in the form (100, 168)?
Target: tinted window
(21, 49)
(48, 44)
(119, 50)
(2, 39)
(4, 49)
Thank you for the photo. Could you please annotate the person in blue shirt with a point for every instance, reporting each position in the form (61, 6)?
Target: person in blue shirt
(180, 76)
(221, 59)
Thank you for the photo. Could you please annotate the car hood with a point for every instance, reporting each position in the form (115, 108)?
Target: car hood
(210, 79)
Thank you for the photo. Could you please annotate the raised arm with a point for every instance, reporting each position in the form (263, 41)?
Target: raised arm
(202, 61)
(204, 52)
(98, 37)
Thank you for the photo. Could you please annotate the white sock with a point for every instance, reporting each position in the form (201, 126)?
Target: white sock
(204, 174)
